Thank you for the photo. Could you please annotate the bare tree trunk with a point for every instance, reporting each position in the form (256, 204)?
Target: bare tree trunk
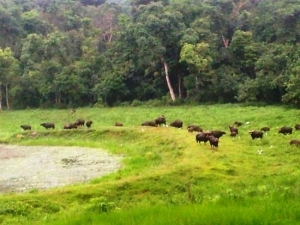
(6, 96)
(1, 97)
(179, 87)
(168, 81)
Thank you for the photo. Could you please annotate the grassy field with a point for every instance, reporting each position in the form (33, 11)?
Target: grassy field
(167, 178)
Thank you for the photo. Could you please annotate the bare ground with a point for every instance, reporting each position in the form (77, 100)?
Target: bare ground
(24, 168)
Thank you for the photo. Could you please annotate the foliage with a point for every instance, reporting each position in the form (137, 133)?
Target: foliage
(147, 49)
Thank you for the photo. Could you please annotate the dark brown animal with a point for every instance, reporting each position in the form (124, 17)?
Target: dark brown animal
(297, 126)
(213, 141)
(80, 122)
(48, 125)
(149, 124)
(286, 130)
(233, 134)
(233, 129)
(202, 136)
(89, 123)
(217, 133)
(295, 142)
(256, 134)
(70, 126)
(176, 123)
(160, 120)
(192, 128)
(26, 127)
(265, 129)
(118, 124)
(238, 123)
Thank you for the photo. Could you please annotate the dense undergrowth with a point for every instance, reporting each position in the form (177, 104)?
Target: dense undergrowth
(167, 178)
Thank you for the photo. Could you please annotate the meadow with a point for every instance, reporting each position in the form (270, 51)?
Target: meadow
(166, 178)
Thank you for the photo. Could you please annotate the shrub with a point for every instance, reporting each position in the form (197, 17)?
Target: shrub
(100, 204)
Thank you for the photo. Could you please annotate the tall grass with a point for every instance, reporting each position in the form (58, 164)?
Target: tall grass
(167, 177)
(256, 213)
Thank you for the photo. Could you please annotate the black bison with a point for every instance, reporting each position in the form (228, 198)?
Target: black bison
(149, 124)
(233, 134)
(238, 123)
(286, 130)
(202, 136)
(70, 126)
(176, 123)
(233, 129)
(160, 120)
(89, 123)
(48, 125)
(118, 124)
(26, 127)
(297, 126)
(256, 134)
(213, 141)
(192, 128)
(295, 142)
(217, 133)
(80, 122)
(265, 129)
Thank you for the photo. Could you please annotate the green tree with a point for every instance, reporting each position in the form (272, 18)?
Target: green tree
(291, 79)
(198, 59)
(157, 33)
(8, 72)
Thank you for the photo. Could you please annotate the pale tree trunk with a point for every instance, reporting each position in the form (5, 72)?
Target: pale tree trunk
(168, 81)
(179, 88)
(6, 96)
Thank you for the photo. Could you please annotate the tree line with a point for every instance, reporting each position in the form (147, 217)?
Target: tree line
(73, 53)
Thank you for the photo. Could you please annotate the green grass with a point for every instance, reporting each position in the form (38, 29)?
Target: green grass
(167, 178)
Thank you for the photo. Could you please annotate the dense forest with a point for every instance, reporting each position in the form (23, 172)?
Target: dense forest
(76, 53)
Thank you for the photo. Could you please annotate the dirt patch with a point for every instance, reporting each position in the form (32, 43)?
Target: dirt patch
(25, 168)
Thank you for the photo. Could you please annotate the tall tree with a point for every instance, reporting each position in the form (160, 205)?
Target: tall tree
(157, 32)
(8, 70)
(198, 59)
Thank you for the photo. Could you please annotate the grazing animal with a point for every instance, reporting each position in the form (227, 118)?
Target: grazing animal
(213, 141)
(89, 123)
(233, 134)
(297, 126)
(192, 128)
(73, 111)
(233, 129)
(176, 123)
(48, 125)
(238, 123)
(256, 134)
(286, 130)
(160, 120)
(70, 126)
(26, 127)
(118, 124)
(265, 129)
(149, 124)
(295, 142)
(80, 122)
(202, 136)
(217, 133)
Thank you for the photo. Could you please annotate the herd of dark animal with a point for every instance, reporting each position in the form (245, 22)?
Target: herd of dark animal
(48, 125)
(212, 136)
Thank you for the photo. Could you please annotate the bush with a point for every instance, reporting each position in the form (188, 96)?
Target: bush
(136, 103)
(100, 204)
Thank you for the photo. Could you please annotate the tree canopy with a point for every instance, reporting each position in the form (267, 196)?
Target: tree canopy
(70, 53)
